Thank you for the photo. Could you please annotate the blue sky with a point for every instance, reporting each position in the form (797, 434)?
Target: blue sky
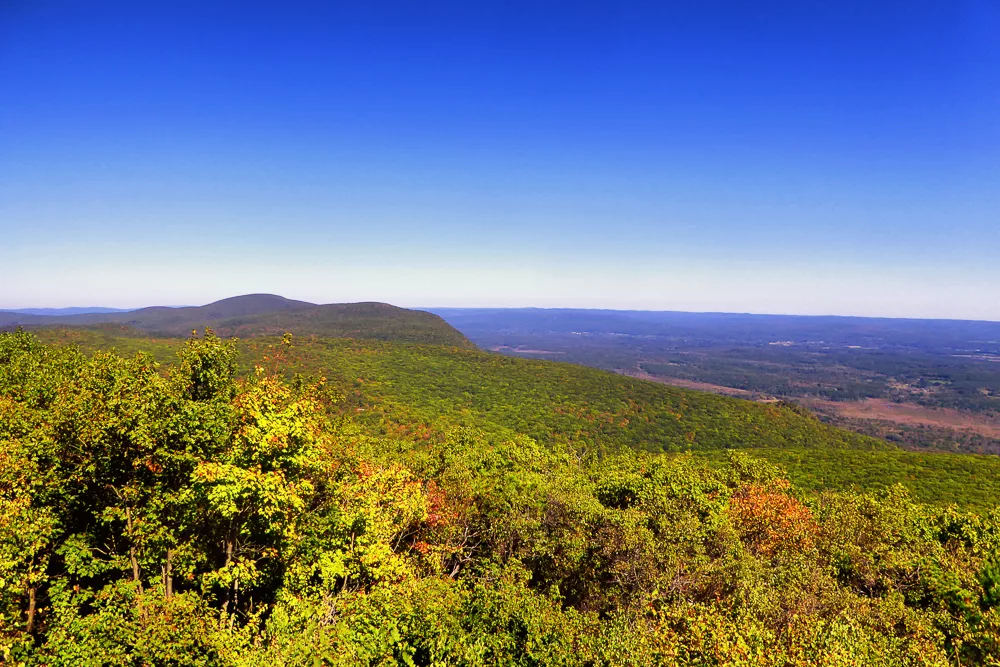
(794, 157)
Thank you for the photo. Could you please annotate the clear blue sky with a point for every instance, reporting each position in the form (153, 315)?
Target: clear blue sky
(798, 157)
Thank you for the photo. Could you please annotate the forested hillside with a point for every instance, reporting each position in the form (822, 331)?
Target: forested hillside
(420, 392)
(408, 389)
(185, 515)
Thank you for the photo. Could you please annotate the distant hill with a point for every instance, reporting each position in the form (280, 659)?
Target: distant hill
(263, 314)
(370, 320)
(61, 312)
(162, 319)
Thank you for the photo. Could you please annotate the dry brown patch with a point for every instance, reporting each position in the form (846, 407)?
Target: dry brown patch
(521, 350)
(908, 413)
(687, 384)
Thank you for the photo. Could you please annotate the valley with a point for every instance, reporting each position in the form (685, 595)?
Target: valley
(925, 384)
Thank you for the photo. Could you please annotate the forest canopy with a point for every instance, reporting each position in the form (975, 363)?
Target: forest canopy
(192, 515)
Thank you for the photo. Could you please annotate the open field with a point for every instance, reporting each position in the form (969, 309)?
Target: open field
(908, 414)
(688, 384)
(908, 424)
(522, 350)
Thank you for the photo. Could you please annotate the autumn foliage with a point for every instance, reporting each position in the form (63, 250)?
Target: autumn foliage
(771, 521)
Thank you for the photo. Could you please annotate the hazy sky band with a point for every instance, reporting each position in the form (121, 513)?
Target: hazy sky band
(842, 160)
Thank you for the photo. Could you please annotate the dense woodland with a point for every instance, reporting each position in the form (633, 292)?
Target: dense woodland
(420, 392)
(189, 514)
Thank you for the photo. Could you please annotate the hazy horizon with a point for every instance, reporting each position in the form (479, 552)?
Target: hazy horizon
(435, 308)
(780, 158)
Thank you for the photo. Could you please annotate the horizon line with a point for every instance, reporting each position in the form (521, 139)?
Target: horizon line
(23, 310)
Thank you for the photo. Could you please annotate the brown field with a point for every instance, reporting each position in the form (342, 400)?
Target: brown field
(908, 414)
(941, 428)
(521, 350)
(691, 384)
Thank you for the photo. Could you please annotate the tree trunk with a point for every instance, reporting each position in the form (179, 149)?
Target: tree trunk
(236, 602)
(32, 602)
(343, 586)
(230, 545)
(136, 574)
(168, 576)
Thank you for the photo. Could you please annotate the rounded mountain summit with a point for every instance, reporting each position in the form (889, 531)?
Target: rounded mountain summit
(268, 314)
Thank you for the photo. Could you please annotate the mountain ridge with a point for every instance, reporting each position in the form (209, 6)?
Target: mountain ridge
(251, 315)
